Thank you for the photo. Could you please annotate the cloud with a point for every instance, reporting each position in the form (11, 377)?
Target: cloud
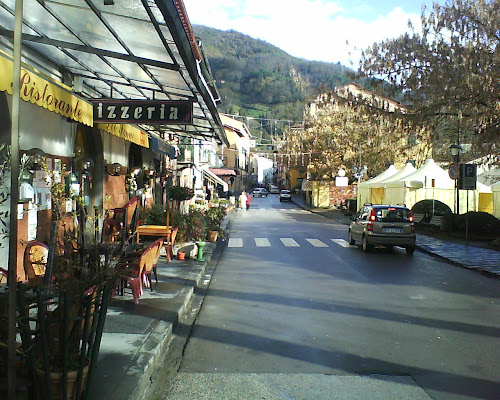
(321, 30)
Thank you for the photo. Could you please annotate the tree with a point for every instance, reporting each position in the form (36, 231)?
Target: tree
(352, 127)
(449, 73)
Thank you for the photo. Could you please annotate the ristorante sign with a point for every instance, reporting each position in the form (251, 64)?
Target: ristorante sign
(45, 94)
(143, 111)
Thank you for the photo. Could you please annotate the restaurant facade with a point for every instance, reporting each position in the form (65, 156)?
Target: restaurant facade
(104, 162)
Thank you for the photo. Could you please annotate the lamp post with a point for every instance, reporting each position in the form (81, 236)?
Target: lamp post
(455, 153)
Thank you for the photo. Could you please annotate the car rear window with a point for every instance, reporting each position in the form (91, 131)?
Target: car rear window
(392, 214)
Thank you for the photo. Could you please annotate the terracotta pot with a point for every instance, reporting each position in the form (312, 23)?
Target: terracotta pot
(181, 255)
(56, 385)
(212, 236)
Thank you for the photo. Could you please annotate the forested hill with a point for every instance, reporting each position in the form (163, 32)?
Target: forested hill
(257, 79)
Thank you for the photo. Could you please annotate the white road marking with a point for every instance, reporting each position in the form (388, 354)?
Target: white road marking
(262, 242)
(289, 242)
(235, 242)
(341, 242)
(317, 243)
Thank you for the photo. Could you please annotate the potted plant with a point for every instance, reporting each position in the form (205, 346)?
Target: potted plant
(213, 218)
(61, 320)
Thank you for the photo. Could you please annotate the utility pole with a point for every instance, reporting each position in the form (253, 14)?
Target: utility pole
(14, 199)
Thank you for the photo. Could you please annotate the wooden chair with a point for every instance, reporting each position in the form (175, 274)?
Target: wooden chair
(121, 222)
(170, 244)
(152, 267)
(35, 261)
(137, 270)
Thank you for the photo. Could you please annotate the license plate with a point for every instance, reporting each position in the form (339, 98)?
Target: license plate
(392, 230)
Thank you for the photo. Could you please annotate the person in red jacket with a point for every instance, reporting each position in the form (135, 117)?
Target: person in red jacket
(249, 200)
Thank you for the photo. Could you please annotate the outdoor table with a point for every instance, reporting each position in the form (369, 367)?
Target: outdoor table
(153, 230)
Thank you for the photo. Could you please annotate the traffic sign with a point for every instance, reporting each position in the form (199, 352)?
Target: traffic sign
(453, 171)
(468, 177)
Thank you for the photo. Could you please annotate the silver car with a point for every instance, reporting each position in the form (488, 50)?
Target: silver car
(383, 225)
(285, 195)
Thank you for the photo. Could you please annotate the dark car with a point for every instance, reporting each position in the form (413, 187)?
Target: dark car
(383, 225)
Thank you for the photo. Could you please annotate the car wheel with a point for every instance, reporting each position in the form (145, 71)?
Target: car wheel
(366, 246)
(352, 242)
(410, 250)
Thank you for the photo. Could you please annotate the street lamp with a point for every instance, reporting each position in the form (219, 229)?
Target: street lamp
(455, 150)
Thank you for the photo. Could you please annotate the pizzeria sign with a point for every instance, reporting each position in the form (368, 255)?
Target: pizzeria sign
(143, 111)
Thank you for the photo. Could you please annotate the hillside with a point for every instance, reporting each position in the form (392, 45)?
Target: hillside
(259, 80)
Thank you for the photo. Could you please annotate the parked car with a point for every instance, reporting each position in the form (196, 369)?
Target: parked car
(285, 195)
(273, 189)
(383, 225)
(260, 192)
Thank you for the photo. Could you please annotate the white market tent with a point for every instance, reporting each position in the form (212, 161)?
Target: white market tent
(377, 189)
(495, 188)
(432, 182)
(364, 188)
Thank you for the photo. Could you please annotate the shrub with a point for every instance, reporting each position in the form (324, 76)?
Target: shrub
(192, 226)
(156, 215)
(213, 217)
(479, 222)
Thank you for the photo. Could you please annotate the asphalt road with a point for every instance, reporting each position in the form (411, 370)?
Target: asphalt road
(294, 312)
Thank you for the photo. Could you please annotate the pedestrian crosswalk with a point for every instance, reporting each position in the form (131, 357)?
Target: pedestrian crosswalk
(287, 242)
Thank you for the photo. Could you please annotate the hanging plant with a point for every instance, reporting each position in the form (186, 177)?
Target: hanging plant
(180, 193)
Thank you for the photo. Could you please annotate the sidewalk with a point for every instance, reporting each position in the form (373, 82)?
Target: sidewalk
(477, 258)
(137, 337)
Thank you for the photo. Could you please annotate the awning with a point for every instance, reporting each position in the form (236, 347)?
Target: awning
(160, 146)
(127, 132)
(223, 171)
(48, 94)
(215, 179)
(132, 49)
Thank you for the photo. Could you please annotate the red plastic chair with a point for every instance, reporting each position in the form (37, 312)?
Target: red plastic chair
(138, 270)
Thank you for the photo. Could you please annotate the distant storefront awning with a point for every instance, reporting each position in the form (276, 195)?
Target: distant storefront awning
(307, 185)
(215, 179)
(159, 146)
(223, 171)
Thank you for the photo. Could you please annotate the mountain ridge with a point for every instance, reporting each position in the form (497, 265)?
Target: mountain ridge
(259, 80)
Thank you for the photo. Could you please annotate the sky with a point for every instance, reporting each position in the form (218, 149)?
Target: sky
(320, 30)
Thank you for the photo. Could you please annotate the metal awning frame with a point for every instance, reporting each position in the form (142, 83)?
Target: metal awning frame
(173, 34)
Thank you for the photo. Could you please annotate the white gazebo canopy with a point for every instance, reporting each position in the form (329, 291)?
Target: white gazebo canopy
(428, 175)
(384, 175)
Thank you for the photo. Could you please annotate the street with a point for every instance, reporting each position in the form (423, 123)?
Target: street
(293, 311)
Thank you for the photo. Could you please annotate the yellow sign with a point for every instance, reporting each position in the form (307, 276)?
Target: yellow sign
(127, 132)
(45, 94)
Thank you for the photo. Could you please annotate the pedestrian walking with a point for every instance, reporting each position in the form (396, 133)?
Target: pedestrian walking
(242, 200)
(249, 200)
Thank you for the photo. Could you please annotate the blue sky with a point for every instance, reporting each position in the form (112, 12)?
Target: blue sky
(322, 30)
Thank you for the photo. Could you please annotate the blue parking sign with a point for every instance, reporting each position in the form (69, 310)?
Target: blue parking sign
(468, 177)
